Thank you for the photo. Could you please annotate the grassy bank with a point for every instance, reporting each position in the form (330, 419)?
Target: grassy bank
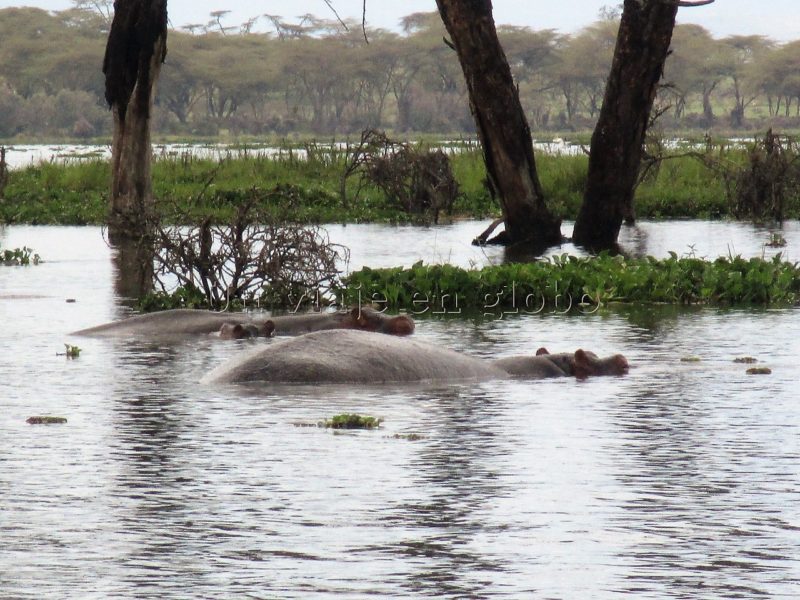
(310, 189)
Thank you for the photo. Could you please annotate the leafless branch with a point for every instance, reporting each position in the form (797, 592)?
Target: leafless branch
(254, 257)
(336, 14)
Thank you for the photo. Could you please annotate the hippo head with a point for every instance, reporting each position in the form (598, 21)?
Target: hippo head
(588, 363)
(238, 331)
(583, 363)
(369, 319)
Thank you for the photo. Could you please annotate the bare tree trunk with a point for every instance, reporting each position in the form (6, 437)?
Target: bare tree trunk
(643, 41)
(137, 45)
(708, 109)
(500, 121)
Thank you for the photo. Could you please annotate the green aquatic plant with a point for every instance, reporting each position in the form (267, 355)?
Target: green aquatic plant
(411, 437)
(759, 371)
(571, 284)
(351, 421)
(19, 257)
(776, 240)
(45, 420)
(71, 351)
(186, 296)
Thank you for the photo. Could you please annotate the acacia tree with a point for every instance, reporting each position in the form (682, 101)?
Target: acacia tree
(500, 120)
(742, 52)
(137, 45)
(643, 42)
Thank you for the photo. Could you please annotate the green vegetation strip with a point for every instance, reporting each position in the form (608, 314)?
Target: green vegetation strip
(309, 190)
(570, 283)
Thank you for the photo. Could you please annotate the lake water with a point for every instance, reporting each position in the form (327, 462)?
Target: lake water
(23, 155)
(679, 480)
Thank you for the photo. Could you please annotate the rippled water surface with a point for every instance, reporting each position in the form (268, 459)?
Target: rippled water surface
(679, 480)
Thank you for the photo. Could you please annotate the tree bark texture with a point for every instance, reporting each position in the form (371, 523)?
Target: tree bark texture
(136, 48)
(643, 42)
(501, 123)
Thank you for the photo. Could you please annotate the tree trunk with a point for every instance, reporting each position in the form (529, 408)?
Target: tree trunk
(500, 121)
(137, 45)
(642, 46)
(708, 109)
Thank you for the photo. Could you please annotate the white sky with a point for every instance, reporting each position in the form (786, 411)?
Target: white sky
(778, 19)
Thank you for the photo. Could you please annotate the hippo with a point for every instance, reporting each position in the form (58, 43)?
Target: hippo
(188, 321)
(240, 331)
(352, 356)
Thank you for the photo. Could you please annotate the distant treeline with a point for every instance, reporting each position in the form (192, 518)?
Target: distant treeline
(316, 77)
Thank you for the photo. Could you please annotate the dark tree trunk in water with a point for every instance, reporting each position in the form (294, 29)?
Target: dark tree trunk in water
(501, 123)
(642, 47)
(137, 45)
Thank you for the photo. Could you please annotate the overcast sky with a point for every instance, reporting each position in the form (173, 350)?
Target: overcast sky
(778, 19)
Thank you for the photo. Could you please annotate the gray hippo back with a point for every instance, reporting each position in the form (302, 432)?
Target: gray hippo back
(183, 322)
(352, 356)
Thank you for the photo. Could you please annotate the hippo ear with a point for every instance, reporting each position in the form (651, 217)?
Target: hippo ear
(401, 325)
(581, 366)
(268, 328)
(542, 351)
(618, 365)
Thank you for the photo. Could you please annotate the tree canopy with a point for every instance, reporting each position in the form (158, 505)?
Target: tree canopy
(310, 75)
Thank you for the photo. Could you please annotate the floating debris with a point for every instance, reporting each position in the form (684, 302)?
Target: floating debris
(759, 371)
(45, 420)
(71, 351)
(351, 421)
(747, 360)
(411, 437)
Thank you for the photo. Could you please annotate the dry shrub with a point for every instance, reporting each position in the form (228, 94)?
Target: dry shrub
(416, 180)
(256, 258)
(768, 180)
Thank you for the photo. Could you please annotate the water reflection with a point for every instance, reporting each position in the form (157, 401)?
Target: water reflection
(133, 263)
(692, 465)
(458, 481)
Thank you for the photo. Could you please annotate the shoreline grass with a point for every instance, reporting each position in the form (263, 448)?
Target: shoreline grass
(308, 188)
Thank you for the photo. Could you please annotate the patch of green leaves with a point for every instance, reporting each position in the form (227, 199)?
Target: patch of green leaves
(351, 421)
(19, 257)
(183, 297)
(571, 283)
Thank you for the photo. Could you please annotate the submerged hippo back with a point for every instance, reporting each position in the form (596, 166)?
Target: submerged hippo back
(352, 356)
(178, 321)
